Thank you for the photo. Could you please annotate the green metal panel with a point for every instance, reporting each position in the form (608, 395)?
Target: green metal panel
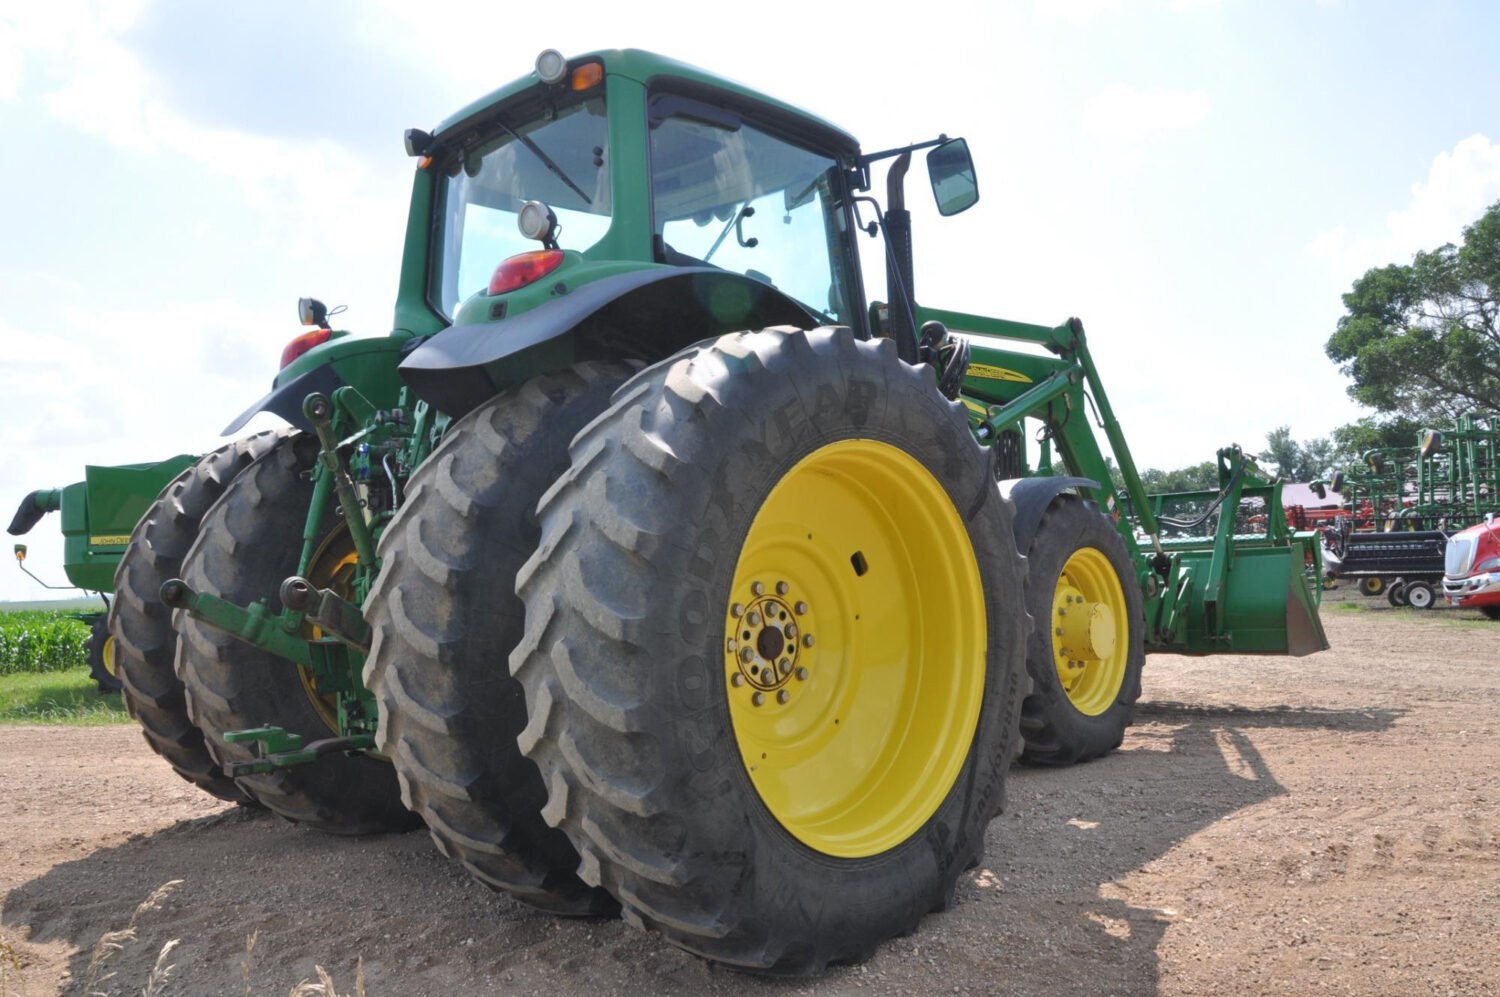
(367, 364)
(99, 512)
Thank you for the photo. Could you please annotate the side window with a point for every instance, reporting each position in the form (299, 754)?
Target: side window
(739, 199)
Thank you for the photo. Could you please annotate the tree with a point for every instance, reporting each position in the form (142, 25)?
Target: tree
(1298, 461)
(1423, 339)
(1198, 477)
(1352, 440)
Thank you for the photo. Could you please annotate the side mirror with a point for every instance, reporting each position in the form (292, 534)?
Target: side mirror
(20, 552)
(951, 170)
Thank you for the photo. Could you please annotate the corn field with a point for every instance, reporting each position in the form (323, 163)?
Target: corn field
(41, 641)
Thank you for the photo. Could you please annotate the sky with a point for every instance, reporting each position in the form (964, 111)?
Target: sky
(1198, 180)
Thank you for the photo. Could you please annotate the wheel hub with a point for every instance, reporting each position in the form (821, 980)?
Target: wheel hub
(767, 642)
(1088, 620)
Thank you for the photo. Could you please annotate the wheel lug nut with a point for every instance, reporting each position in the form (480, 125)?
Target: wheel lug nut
(747, 655)
(802, 675)
(786, 666)
(736, 680)
(758, 588)
(737, 610)
(807, 640)
(1059, 631)
(801, 608)
(791, 631)
(732, 645)
(783, 696)
(753, 618)
(757, 699)
(782, 588)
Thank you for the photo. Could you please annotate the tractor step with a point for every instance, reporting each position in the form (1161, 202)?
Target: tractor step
(277, 748)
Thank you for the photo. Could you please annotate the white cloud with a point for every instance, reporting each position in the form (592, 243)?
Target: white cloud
(1124, 113)
(89, 79)
(10, 62)
(1077, 11)
(1080, 11)
(1461, 183)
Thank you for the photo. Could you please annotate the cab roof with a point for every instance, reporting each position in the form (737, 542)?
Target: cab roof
(648, 68)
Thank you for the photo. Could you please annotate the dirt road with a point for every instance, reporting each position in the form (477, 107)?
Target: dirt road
(1328, 824)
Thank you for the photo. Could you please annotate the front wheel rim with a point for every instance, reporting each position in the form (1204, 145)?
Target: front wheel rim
(107, 656)
(1090, 631)
(855, 648)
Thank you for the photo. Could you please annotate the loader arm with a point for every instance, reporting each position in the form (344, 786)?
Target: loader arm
(1221, 592)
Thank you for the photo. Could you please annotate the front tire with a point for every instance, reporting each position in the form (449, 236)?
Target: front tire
(445, 618)
(1087, 646)
(790, 799)
(101, 656)
(248, 544)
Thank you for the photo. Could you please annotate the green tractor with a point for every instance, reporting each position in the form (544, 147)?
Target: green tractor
(97, 515)
(652, 564)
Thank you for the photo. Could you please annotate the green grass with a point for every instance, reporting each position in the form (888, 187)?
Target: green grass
(66, 697)
(41, 641)
(1342, 607)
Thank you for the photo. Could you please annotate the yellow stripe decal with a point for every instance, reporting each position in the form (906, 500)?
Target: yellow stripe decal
(990, 373)
(110, 541)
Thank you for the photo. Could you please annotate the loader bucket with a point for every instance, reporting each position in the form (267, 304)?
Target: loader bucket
(1266, 602)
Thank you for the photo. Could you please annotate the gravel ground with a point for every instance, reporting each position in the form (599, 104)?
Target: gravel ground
(1327, 824)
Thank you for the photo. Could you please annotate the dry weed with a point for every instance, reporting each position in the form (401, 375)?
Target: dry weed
(324, 986)
(113, 941)
(161, 970)
(250, 941)
(10, 961)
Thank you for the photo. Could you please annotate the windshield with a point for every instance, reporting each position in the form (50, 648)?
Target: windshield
(728, 195)
(561, 159)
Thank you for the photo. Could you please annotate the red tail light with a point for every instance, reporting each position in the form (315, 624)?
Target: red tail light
(303, 343)
(523, 269)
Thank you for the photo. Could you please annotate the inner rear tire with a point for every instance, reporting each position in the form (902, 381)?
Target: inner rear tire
(1372, 586)
(249, 543)
(629, 675)
(446, 616)
(145, 637)
(1395, 593)
(1086, 718)
(1490, 612)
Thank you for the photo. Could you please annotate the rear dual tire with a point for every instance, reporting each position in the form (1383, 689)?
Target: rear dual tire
(683, 796)
(247, 545)
(446, 617)
(145, 647)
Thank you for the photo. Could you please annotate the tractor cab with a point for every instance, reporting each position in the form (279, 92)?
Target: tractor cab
(620, 202)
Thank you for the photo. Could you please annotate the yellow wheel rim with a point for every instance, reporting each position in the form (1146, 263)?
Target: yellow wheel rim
(107, 653)
(332, 567)
(854, 655)
(1090, 631)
